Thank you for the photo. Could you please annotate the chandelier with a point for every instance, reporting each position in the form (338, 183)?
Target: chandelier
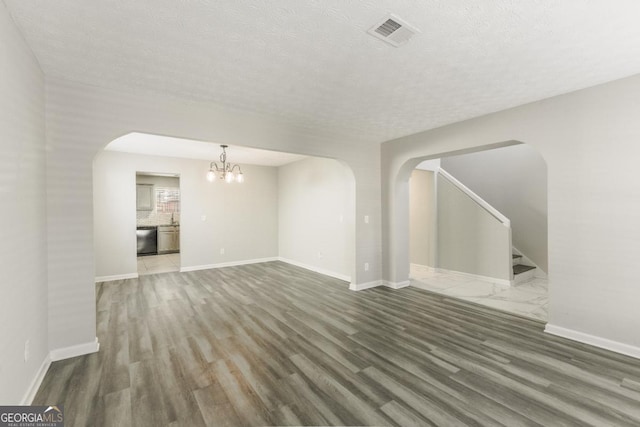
(226, 171)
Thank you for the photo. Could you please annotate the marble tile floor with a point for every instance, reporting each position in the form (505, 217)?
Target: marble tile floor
(154, 264)
(528, 299)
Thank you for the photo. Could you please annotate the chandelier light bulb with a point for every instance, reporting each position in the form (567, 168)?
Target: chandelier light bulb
(224, 170)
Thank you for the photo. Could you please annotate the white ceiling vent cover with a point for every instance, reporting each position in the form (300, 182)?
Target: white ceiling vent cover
(393, 30)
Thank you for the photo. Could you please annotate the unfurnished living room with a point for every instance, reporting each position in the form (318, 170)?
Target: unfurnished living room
(381, 213)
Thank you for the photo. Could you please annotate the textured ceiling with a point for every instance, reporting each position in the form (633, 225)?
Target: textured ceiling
(311, 63)
(141, 143)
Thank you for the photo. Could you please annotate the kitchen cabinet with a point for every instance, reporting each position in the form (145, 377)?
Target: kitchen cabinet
(168, 239)
(144, 197)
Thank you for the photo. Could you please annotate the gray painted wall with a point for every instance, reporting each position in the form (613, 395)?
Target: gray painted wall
(316, 215)
(514, 181)
(23, 257)
(241, 218)
(470, 239)
(422, 218)
(589, 140)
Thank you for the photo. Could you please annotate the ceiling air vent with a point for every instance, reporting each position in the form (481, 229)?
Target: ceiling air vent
(393, 30)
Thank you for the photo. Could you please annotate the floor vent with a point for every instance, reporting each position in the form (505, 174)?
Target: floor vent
(393, 30)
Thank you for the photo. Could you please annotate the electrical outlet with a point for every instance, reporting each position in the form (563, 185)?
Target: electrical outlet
(27, 350)
(203, 217)
(320, 254)
(366, 219)
(221, 251)
(366, 266)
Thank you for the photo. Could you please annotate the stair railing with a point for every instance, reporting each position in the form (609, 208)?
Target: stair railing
(479, 200)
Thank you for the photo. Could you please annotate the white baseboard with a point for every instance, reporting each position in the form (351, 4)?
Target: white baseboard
(316, 269)
(74, 350)
(37, 380)
(53, 356)
(462, 274)
(116, 277)
(376, 283)
(476, 276)
(363, 286)
(593, 340)
(227, 264)
(396, 285)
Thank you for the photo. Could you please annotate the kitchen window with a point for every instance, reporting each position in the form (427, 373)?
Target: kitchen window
(167, 200)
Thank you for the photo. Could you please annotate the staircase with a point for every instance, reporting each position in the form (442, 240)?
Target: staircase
(521, 272)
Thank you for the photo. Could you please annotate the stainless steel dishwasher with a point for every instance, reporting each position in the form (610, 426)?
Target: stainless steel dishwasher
(147, 238)
(168, 239)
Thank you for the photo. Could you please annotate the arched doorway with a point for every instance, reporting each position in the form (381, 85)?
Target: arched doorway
(295, 208)
(97, 116)
(478, 228)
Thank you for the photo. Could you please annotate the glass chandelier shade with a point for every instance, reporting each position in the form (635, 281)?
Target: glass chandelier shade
(226, 171)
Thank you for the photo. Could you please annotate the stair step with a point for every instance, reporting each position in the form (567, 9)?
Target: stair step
(519, 268)
(515, 259)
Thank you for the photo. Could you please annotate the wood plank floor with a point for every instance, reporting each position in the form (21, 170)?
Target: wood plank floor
(273, 344)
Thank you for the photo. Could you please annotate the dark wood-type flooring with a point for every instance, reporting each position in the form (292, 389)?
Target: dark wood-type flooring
(273, 344)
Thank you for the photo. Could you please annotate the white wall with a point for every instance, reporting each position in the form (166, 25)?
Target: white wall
(316, 216)
(470, 239)
(422, 218)
(514, 181)
(23, 258)
(82, 120)
(241, 218)
(590, 141)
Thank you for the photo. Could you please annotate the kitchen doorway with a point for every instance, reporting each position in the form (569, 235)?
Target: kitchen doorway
(157, 222)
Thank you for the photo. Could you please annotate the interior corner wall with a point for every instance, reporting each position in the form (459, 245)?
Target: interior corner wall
(23, 257)
(422, 218)
(589, 140)
(514, 181)
(242, 218)
(316, 209)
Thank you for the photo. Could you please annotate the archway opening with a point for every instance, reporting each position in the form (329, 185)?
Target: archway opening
(478, 228)
(293, 208)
